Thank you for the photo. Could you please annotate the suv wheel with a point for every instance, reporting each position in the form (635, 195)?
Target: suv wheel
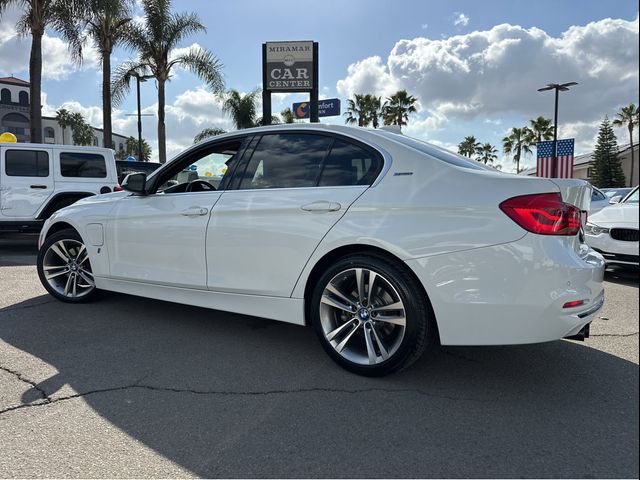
(370, 315)
(64, 267)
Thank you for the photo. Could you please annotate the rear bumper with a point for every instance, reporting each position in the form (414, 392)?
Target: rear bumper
(513, 293)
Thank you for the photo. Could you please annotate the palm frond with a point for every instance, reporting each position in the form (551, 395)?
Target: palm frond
(205, 65)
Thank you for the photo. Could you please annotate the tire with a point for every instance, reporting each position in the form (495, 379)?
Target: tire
(64, 268)
(363, 329)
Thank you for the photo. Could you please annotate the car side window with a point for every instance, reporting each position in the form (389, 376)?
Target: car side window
(596, 195)
(205, 170)
(26, 163)
(82, 165)
(286, 160)
(348, 164)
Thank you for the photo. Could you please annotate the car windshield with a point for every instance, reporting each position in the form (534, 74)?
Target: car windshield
(633, 198)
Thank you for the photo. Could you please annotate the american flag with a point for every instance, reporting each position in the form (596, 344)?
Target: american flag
(565, 159)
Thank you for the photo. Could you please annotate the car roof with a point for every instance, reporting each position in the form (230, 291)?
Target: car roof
(21, 145)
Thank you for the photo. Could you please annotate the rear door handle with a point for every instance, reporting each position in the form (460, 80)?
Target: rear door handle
(38, 186)
(321, 206)
(195, 211)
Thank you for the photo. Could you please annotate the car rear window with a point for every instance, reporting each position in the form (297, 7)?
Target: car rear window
(434, 151)
(348, 164)
(26, 163)
(82, 165)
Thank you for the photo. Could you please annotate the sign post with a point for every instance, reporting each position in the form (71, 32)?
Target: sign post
(289, 67)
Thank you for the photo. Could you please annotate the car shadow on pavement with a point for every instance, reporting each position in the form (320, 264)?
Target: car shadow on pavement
(225, 395)
(629, 276)
(18, 249)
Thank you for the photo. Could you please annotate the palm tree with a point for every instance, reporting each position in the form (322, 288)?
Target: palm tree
(64, 119)
(487, 153)
(106, 22)
(357, 111)
(469, 146)
(398, 107)
(629, 116)
(542, 129)
(518, 141)
(208, 132)
(154, 40)
(288, 116)
(242, 108)
(376, 109)
(37, 15)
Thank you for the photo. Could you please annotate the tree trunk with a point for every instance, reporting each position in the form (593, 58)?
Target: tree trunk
(632, 154)
(106, 100)
(518, 159)
(35, 74)
(162, 147)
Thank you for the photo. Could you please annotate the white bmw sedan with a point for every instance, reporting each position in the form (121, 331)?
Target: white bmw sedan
(613, 231)
(353, 231)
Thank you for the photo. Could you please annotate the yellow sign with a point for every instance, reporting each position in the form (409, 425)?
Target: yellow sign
(207, 174)
(8, 137)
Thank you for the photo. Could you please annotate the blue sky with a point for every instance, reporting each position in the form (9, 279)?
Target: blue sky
(352, 31)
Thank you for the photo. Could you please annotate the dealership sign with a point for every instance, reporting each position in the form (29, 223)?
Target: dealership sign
(289, 66)
(326, 108)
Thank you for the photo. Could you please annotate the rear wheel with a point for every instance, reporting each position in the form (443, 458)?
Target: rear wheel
(64, 267)
(370, 315)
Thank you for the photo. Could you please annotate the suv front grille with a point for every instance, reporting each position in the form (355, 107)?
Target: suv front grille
(624, 234)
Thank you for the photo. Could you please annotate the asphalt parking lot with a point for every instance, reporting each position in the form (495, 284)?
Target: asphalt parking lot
(130, 387)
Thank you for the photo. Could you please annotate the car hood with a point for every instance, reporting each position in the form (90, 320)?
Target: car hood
(106, 197)
(616, 215)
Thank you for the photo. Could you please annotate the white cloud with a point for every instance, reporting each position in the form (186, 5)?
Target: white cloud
(424, 26)
(461, 19)
(56, 60)
(368, 75)
(496, 73)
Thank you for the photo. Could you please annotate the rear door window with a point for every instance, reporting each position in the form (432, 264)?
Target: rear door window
(82, 165)
(26, 163)
(286, 160)
(349, 164)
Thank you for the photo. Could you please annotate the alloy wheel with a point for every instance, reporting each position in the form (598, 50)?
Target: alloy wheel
(67, 269)
(362, 316)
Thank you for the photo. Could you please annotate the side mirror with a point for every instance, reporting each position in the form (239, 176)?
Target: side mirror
(135, 183)
(615, 199)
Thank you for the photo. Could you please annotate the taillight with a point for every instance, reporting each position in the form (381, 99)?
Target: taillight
(118, 188)
(543, 213)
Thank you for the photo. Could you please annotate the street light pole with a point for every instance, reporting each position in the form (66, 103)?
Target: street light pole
(558, 88)
(140, 120)
(139, 79)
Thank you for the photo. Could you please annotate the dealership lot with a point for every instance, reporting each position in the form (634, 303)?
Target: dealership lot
(136, 387)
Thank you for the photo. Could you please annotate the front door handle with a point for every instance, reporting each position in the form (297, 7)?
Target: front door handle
(195, 211)
(321, 206)
(41, 187)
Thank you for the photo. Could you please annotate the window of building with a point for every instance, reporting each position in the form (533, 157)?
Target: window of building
(23, 98)
(286, 161)
(85, 165)
(15, 123)
(26, 163)
(49, 132)
(5, 95)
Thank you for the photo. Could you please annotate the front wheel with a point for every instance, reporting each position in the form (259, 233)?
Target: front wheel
(64, 267)
(371, 315)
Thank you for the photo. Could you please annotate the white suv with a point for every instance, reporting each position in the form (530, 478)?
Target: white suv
(38, 179)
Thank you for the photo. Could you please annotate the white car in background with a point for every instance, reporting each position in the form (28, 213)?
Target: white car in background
(614, 231)
(351, 230)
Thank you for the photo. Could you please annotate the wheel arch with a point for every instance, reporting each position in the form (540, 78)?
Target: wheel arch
(358, 249)
(63, 197)
(59, 226)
